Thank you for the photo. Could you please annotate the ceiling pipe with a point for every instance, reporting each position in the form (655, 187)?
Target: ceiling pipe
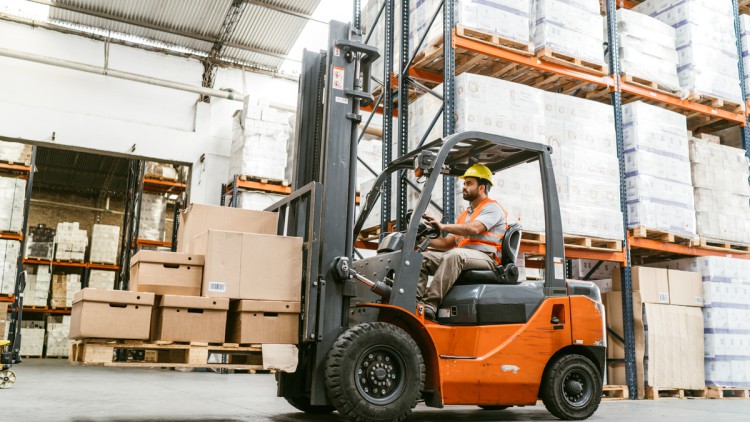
(228, 94)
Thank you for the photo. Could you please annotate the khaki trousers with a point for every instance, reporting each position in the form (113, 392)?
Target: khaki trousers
(446, 267)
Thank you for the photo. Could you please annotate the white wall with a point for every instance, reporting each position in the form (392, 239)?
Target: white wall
(52, 106)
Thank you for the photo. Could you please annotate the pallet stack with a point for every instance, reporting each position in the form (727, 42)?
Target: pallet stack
(71, 242)
(160, 171)
(32, 334)
(57, 336)
(38, 287)
(153, 214)
(9, 250)
(64, 288)
(105, 241)
(4, 315)
(102, 279)
(41, 242)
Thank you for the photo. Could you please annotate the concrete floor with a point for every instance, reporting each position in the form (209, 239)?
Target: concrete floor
(51, 390)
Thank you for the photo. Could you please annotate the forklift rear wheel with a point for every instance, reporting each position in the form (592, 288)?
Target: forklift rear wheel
(375, 372)
(483, 407)
(7, 379)
(572, 388)
(303, 404)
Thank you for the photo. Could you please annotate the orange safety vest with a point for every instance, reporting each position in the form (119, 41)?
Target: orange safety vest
(488, 240)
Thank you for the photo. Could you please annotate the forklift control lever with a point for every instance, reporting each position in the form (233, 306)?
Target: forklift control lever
(344, 272)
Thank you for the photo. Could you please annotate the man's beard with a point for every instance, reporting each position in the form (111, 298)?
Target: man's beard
(468, 196)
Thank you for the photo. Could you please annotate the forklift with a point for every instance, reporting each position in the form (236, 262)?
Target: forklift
(10, 349)
(366, 349)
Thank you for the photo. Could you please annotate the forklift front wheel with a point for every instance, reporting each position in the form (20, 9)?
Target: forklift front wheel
(375, 372)
(7, 379)
(572, 388)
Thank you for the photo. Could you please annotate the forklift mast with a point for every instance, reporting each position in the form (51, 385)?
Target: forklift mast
(333, 85)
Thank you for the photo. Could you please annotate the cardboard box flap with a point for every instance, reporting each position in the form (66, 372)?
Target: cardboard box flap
(266, 306)
(197, 302)
(159, 257)
(114, 296)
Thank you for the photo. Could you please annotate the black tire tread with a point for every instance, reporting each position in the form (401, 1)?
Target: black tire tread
(548, 389)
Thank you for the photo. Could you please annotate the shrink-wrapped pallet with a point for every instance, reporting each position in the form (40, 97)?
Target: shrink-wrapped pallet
(71, 242)
(9, 250)
(12, 200)
(152, 218)
(569, 28)
(101, 279)
(259, 143)
(105, 241)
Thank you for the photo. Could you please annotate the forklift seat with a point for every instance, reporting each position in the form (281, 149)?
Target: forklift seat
(506, 272)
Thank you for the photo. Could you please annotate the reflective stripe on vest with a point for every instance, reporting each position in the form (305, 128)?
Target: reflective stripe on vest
(485, 241)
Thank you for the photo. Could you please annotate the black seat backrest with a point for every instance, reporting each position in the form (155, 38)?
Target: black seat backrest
(511, 244)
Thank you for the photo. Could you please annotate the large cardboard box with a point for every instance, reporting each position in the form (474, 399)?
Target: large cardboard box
(263, 321)
(250, 266)
(616, 348)
(189, 318)
(115, 314)
(653, 283)
(198, 218)
(685, 288)
(166, 273)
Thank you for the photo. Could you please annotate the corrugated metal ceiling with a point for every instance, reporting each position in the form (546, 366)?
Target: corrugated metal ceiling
(80, 172)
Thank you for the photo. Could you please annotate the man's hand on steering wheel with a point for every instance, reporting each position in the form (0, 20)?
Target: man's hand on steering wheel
(431, 221)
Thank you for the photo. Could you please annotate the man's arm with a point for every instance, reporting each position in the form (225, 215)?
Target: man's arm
(469, 228)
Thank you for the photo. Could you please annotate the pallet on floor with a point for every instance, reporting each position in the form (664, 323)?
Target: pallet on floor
(264, 180)
(615, 392)
(723, 245)
(656, 393)
(495, 40)
(592, 243)
(654, 86)
(728, 392)
(662, 236)
(549, 55)
(140, 354)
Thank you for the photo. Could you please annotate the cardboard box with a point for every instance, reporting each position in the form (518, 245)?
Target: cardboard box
(198, 218)
(653, 283)
(115, 314)
(263, 321)
(189, 318)
(250, 266)
(166, 273)
(685, 288)
(616, 348)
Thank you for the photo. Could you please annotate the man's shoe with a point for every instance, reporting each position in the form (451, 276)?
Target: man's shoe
(429, 313)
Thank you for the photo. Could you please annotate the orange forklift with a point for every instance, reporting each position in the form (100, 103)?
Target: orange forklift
(365, 347)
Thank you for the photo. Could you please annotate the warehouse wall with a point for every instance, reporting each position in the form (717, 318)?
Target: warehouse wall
(48, 105)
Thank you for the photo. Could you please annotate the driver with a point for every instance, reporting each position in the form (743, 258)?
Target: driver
(473, 243)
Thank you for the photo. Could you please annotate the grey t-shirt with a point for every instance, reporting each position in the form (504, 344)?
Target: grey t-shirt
(493, 218)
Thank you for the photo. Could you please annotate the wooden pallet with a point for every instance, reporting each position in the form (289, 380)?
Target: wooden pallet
(723, 245)
(645, 83)
(615, 392)
(662, 236)
(592, 243)
(495, 40)
(533, 237)
(657, 393)
(728, 392)
(715, 102)
(99, 352)
(549, 55)
(70, 261)
(265, 180)
(154, 176)
(103, 263)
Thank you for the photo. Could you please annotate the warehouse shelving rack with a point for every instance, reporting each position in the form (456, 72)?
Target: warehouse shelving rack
(239, 184)
(130, 242)
(460, 54)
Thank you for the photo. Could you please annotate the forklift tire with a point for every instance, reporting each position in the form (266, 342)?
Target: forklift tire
(303, 404)
(572, 388)
(484, 407)
(375, 372)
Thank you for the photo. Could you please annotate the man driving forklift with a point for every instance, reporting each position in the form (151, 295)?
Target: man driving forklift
(473, 243)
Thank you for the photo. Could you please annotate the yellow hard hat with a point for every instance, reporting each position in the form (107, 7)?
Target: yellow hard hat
(478, 171)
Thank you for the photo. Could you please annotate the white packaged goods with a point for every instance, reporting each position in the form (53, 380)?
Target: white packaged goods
(581, 133)
(706, 44)
(657, 168)
(153, 212)
(12, 199)
(581, 267)
(647, 49)
(726, 298)
(64, 287)
(161, 171)
(259, 143)
(9, 250)
(102, 279)
(745, 41)
(32, 333)
(14, 152)
(104, 243)
(258, 201)
(58, 333)
(570, 27)
(722, 193)
(38, 287)
(71, 242)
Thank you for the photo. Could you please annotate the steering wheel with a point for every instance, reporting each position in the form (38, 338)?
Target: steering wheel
(424, 230)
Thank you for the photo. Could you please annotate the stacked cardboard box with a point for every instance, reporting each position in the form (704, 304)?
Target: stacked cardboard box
(102, 279)
(581, 133)
(104, 243)
(657, 169)
(71, 242)
(668, 327)
(12, 200)
(32, 334)
(94, 317)
(259, 143)
(64, 288)
(14, 152)
(722, 192)
(647, 49)
(9, 250)
(160, 171)
(58, 333)
(706, 45)
(571, 28)
(726, 293)
(153, 213)
(601, 275)
(41, 243)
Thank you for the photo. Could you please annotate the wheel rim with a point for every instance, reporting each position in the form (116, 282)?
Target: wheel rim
(577, 388)
(379, 375)
(7, 379)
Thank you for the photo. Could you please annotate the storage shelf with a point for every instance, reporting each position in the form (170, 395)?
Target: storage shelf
(32, 261)
(19, 168)
(163, 186)
(8, 299)
(45, 310)
(260, 187)
(94, 266)
(11, 236)
(642, 246)
(148, 242)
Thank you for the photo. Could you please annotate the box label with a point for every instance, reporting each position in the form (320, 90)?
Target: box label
(698, 300)
(217, 286)
(664, 297)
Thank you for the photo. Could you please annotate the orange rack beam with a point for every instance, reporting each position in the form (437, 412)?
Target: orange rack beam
(11, 236)
(6, 299)
(147, 242)
(156, 185)
(655, 245)
(33, 261)
(264, 187)
(576, 253)
(45, 310)
(103, 266)
(15, 167)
